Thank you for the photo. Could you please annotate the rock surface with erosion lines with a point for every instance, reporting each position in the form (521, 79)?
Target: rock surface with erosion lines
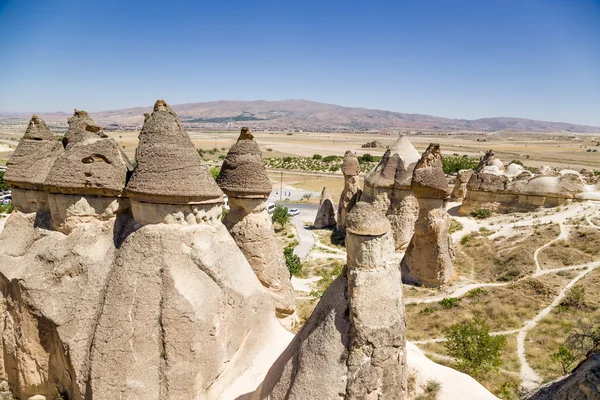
(353, 346)
(351, 192)
(428, 258)
(392, 177)
(244, 180)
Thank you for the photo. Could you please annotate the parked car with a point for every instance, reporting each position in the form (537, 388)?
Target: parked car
(271, 208)
(293, 211)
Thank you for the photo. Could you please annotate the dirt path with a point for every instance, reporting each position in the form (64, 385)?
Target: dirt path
(530, 379)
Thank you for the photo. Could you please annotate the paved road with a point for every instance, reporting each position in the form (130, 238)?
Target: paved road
(308, 212)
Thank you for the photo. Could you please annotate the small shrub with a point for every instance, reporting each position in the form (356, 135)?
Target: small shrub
(287, 160)
(449, 302)
(466, 239)
(433, 387)
(476, 292)
(518, 162)
(427, 310)
(329, 159)
(455, 226)
(575, 297)
(317, 157)
(482, 214)
(565, 358)
(215, 171)
(3, 184)
(6, 208)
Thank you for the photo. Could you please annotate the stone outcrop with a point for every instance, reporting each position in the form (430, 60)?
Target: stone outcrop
(29, 165)
(81, 126)
(351, 192)
(326, 213)
(582, 384)
(244, 180)
(460, 186)
(514, 188)
(428, 258)
(353, 346)
(155, 301)
(392, 176)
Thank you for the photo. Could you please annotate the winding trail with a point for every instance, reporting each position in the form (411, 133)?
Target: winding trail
(564, 234)
(530, 379)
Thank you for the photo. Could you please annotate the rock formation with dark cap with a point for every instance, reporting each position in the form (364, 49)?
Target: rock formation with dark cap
(351, 192)
(169, 169)
(392, 176)
(244, 180)
(428, 258)
(326, 213)
(353, 346)
(30, 164)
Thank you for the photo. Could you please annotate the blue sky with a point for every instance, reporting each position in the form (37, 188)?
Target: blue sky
(535, 59)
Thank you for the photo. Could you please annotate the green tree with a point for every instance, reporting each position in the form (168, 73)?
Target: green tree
(292, 261)
(317, 157)
(565, 358)
(215, 171)
(280, 216)
(475, 350)
(3, 184)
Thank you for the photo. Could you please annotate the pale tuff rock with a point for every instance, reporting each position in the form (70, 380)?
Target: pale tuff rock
(392, 176)
(169, 169)
(353, 346)
(428, 258)
(582, 384)
(250, 226)
(165, 307)
(326, 213)
(513, 188)
(244, 179)
(351, 192)
(29, 165)
(460, 187)
(81, 126)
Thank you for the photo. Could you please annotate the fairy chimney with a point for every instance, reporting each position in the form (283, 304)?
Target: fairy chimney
(354, 343)
(392, 176)
(428, 258)
(351, 192)
(244, 180)
(29, 166)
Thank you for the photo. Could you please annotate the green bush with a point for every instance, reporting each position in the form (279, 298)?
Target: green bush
(287, 159)
(575, 297)
(482, 214)
(366, 158)
(455, 226)
(452, 165)
(518, 162)
(215, 171)
(449, 302)
(329, 159)
(476, 351)
(292, 261)
(317, 157)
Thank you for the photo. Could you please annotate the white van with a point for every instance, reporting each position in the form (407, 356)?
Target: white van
(271, 208)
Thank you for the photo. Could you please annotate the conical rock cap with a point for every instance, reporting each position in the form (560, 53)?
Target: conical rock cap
(33, 158)
(81, 126)
(91, 166)
(243, 173)
(169, 169)
(325, 195)
(396, 166)
(350, 165)
(429, 180)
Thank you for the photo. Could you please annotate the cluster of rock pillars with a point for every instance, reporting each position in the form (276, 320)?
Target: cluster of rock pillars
(119, 279)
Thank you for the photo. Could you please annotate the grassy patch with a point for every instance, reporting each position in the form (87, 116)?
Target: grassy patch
(583, 246)
(545, 339)
(502, 259)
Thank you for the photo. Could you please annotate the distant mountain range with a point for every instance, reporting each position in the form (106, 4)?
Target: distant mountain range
(312, 116)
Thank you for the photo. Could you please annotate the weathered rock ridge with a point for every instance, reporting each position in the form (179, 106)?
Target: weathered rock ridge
(351, 192)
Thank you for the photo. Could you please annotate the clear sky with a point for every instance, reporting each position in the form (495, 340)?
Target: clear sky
(536, 59)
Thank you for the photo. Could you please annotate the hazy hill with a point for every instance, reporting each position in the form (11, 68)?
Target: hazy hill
(310, 115)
